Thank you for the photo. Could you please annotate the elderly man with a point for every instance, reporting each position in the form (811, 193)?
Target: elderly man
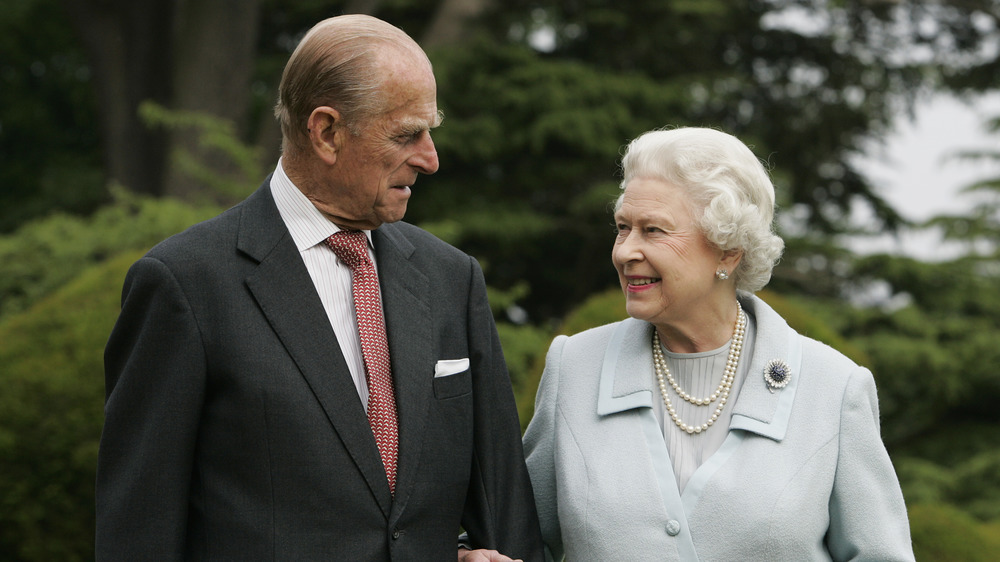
(303, 377)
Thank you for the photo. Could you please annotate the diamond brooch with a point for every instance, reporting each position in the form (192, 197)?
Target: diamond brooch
(777, 374)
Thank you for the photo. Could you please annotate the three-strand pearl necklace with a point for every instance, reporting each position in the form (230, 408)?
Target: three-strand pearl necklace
(721, 393)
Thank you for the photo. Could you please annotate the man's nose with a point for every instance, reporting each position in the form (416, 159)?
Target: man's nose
(426, 158)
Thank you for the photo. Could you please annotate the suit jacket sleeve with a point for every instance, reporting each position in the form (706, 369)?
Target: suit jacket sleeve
(867, 515)
(155, 372)
(499, 511)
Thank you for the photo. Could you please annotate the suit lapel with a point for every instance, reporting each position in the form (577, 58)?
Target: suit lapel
(406, 303)
(286, 295)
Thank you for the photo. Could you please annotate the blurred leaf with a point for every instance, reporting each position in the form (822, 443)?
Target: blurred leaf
(215, 135)
(51, 414)
(44, 254)
(944, 534)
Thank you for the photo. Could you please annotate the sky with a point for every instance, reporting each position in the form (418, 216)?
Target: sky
(914, 174)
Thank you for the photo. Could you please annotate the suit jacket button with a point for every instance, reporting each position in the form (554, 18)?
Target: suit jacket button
(673, 527)
(395, 533)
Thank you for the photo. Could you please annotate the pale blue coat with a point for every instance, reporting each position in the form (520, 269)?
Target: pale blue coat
(802, 475)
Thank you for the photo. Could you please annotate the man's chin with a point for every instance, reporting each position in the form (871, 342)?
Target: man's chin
(392, 215)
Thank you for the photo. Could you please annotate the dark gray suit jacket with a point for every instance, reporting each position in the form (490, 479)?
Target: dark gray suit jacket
(234, 431)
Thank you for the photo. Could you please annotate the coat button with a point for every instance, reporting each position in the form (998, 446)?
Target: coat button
(395, 533)
(673, 527)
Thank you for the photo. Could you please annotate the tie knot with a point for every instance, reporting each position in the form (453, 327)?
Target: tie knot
(351, 246)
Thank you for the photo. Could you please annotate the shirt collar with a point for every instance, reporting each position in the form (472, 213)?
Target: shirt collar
(307, 225)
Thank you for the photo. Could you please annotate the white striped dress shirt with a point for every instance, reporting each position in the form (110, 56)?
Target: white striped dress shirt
(310, 229)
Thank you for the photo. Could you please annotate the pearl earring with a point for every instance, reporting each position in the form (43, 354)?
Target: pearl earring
(722, 274)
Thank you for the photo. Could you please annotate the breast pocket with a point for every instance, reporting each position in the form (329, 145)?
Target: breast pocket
(452, 386)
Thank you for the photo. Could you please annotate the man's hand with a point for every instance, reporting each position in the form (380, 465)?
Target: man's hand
(465, 555)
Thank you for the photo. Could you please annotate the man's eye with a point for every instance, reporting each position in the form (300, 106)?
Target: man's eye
(409, 138)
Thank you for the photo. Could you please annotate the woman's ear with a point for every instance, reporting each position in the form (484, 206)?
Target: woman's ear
(326, 132)
(731, 259)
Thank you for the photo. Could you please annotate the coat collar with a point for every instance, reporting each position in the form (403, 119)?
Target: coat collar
(626, 375)
(757, 408)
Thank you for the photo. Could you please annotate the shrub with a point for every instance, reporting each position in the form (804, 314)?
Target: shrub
(945, 534)
(51, 413)
(46, 253)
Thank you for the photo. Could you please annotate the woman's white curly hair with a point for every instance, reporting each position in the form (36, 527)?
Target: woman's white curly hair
(726, 182)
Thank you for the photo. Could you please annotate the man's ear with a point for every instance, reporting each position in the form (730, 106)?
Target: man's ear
(326, 132)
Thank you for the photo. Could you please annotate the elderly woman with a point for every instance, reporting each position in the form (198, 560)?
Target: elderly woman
(704, 427)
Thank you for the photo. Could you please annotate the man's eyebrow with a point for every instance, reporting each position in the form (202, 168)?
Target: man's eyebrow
(412, 127)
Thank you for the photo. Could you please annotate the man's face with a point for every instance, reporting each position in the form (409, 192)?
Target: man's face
(371, 179)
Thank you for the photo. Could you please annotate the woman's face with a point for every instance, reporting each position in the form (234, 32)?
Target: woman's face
(665, 264)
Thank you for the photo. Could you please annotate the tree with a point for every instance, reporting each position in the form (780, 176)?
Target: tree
(540, 96)
(51, 416)
(540, 107)
(187, 55)
(49, 145)
(980, 229)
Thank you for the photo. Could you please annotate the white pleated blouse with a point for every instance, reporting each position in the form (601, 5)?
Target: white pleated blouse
(699, 375)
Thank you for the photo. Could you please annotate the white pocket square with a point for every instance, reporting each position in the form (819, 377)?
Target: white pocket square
(446, 367)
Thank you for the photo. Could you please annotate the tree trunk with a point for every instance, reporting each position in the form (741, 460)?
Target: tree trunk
(128, 46)
(367, 7)
(452, 22)
(215, 49)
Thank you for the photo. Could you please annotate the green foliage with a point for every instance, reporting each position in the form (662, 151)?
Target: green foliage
(945, 534)
(50, 156)
(958, 465)
(216, 137)
(934, 359)
(801, 316)
(524, 348)
(980, 228)
(778, 74)
(599, 309)
(44, 254)
(501, 301)
(51, 413)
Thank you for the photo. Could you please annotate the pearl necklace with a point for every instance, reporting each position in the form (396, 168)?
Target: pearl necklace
(721, 393)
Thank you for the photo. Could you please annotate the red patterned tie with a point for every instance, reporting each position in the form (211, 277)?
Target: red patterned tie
(351, 246)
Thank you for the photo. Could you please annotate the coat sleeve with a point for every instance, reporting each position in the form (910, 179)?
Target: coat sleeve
(539, 448)
(868, 518)
(154, 376)
(500, 511)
